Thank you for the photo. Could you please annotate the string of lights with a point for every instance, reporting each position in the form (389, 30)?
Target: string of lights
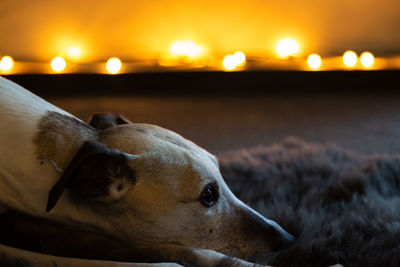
(187, 54)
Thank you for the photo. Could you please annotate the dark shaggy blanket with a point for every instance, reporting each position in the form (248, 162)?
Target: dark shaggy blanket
(343, 207)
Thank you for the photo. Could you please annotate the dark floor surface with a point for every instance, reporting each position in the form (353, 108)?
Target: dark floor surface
(368, 123)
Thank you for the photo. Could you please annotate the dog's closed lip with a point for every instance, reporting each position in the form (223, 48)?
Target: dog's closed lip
(266, 231)
(287, 240)
(279, 238)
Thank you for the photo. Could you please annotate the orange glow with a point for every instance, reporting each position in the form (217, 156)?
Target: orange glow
(186, 48)
(367, 59)
(231, 62)
(6, 63)
(314, 61)
(113, 65)
(58, 64)
(350, 58)
(180, 35)
(144, 30)
(240, 58)
(287, 47)
(73, 52)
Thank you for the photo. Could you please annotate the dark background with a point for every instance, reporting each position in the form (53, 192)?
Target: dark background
(359, 110)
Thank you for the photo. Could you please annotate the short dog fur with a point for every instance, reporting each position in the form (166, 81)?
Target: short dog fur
(142, 188)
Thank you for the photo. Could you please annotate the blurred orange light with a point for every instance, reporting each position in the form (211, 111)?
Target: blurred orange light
(367, 59)
(186, 48)
(240, 58)
(58, 64)
(6, 63)
(314, 61)
(113, 65)
(287, 47)
(229, 62)
(73, 52)
(350, 58)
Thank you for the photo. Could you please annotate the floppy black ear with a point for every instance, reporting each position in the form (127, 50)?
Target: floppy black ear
(95, 172)
(103, 121)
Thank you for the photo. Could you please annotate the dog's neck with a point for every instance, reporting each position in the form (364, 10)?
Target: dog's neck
(37, 141)
(59, 137)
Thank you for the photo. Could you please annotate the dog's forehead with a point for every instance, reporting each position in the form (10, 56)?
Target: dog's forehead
(142, 137)
(163, 145)
(164, 157)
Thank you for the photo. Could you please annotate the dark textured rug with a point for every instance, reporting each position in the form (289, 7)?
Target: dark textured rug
(343, 207)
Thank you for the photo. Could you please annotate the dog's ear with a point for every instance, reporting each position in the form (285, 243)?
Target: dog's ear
(103, 121)
(96, 172)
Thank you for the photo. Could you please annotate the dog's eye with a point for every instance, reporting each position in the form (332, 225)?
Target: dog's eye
(209, 195)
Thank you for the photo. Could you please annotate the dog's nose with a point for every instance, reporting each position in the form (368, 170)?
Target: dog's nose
(277, 236)
(267, 232)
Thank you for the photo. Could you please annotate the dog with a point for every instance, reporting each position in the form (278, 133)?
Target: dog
(139, 187)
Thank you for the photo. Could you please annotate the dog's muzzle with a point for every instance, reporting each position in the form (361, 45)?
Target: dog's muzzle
(266, 233)
(278, 237)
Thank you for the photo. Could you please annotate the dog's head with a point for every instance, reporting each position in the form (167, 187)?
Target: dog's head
(151, 187)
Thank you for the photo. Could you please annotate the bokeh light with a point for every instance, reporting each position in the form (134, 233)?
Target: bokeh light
(58, 64)
(350, 58)
(6, 63)
(240, 58)
(186, 48)
(73, 52)
(229, 62)
(287, 47)
(314, 61)
(113, 65)
(367, 59)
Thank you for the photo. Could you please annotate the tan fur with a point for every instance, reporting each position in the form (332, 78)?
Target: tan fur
(59, 136)
(159, 211)
(162, 207)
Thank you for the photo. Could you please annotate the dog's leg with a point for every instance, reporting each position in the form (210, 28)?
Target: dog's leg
(10, 256)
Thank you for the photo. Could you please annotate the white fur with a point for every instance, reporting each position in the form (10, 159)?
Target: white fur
(25, 181)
